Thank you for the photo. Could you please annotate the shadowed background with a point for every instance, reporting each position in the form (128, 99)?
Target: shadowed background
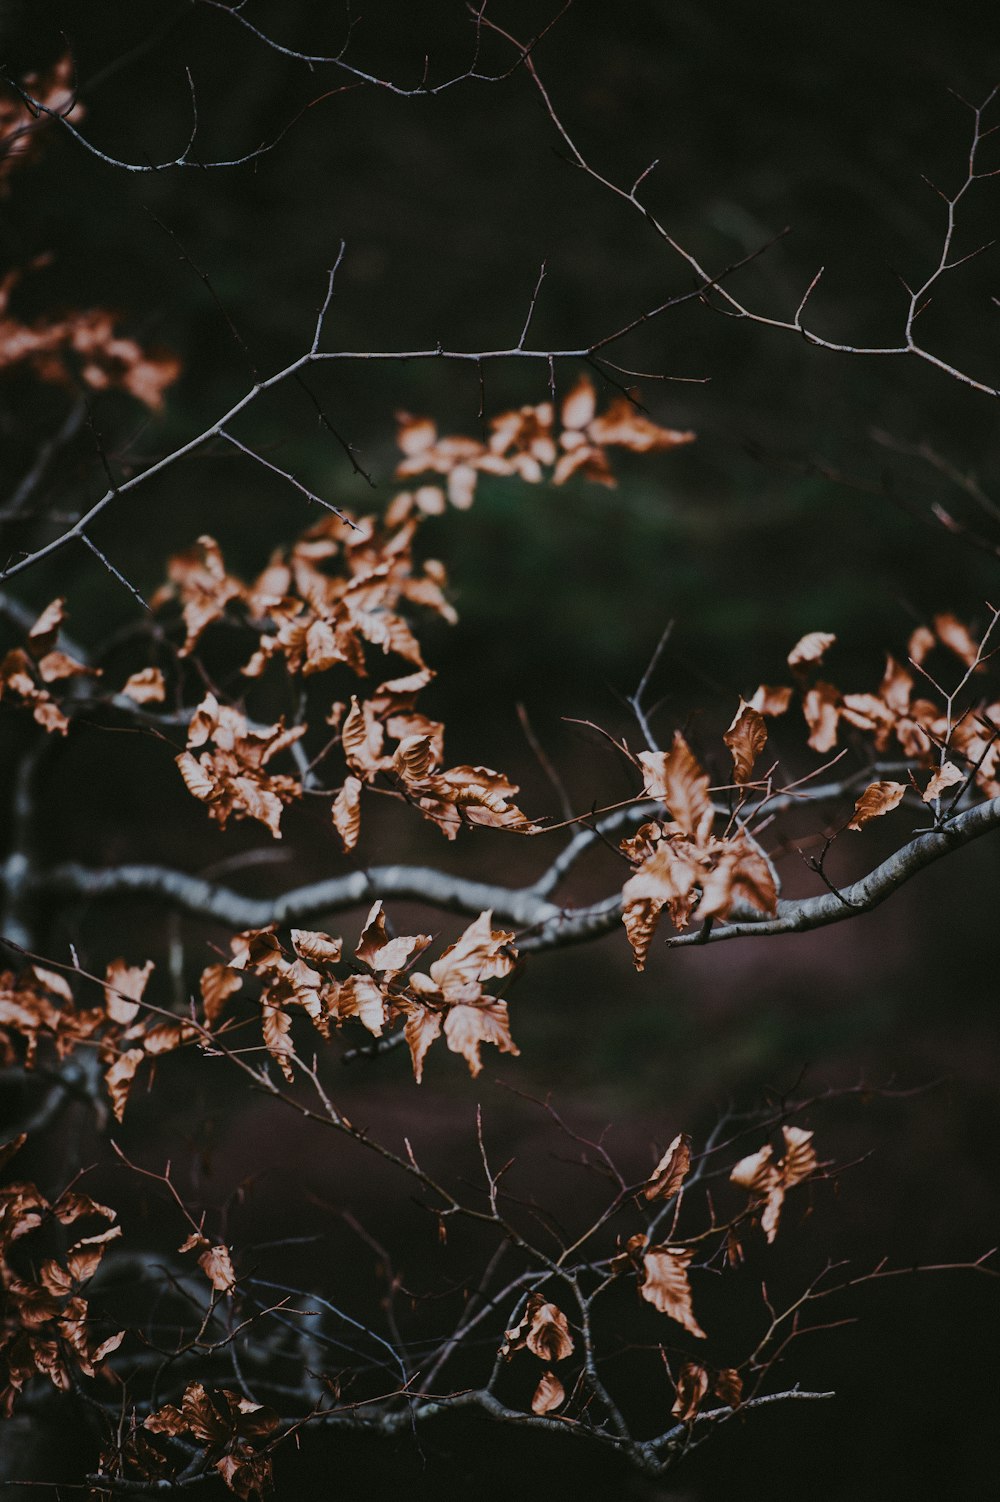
(761, 117)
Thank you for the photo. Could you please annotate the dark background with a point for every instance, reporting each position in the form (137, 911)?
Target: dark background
(762, 117)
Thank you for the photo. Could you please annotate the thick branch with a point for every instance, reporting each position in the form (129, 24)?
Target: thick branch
(548, 926)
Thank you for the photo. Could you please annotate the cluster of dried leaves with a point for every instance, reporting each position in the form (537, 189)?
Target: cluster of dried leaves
(82, 347)
(530, 444)
(216, 1423)
(21, 126)
(39, 1013)
(46, 1323)
(381, 988)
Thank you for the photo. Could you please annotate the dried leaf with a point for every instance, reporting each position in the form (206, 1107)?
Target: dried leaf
(810, 649)
(319, 948)
(665, 1285)
(677, 780)
(671, 1171)
(146, 687)
(957, 638)
(746, 739)
(728, 1386)
(346, 812)
(877, 799)
(691, 1386)
(216, 1263)
(549, 1394)
(946, 776)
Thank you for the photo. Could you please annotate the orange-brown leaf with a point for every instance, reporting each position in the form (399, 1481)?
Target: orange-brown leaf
(665, 1285)
(877, 799)
(671, 1171)
(746, 739)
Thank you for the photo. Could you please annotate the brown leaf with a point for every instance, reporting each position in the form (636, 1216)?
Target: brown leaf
(728, 1385)
(318, 948)
(665, 1285)
(346, 812)
(124, 985)
(770, 701)
(877, 799)
(677, 780)
(216, 1263)
(810, 649)
(671, 1171)
(548, 1334)
(119, 1077)
(957, 638)
(946, 776)
(217, 984)
(746, 739)
(146, 687)
(466, 1027)
(821, 706)
(421, 1028)
(549, 1394)
(692, 1385)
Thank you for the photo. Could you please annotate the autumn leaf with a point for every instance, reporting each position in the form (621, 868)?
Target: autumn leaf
(148, 686)
(691, 1387)
(346, 812)
(665, 1285)
(671, 1171)
(549, 1394)
(810, 649)
(877, 799)
(957, 637)
(675, 778)
(543, 1329)
(216, 1263)
(746, 739)
(946, 776)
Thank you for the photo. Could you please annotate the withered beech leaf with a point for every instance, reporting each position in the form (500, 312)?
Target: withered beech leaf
(728, 1386)
(957, 637)
(810, 649)
(768, 700)
(549, 1394)
(877, 799)
(466, 1027)
(148, 686)
(217, 983)
(665, 1285)
(676, 778)
(691, 1387)
(746, 739)
(319, 948)
(946, 776)
(548, 1334)
(671, 1171)
(216, 1263)
(124, 985)
(346, 812)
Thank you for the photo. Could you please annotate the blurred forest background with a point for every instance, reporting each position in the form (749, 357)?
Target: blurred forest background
(820, 119)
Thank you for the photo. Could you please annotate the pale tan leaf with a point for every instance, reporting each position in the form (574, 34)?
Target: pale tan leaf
(821, 706)
(466, 1027)
(216, 1263)
(317, 947)
(877, 799)
(768, 700)
(946, 776)
(799, 1159)
(146, 687)
(123, 988)
(421, 1028)
(957, 638)
(811, 648)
